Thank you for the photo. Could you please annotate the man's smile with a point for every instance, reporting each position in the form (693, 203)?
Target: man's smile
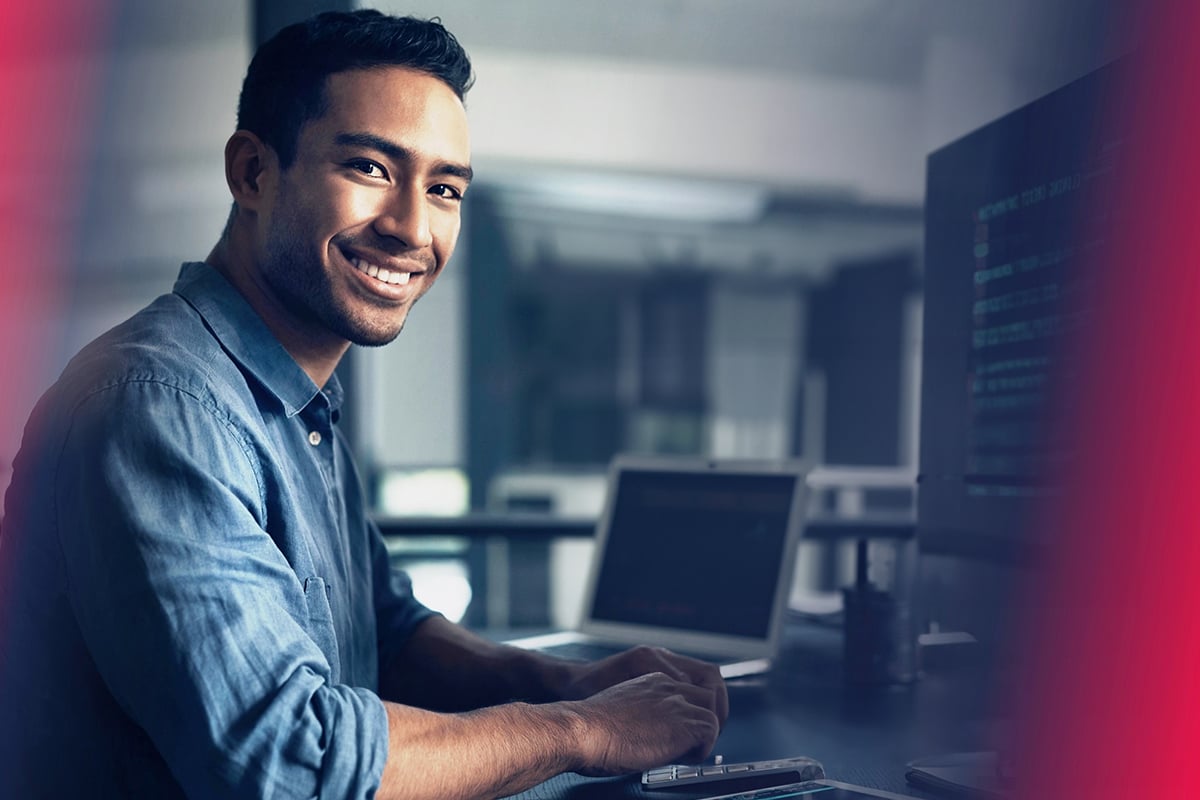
(394, 276)
(385, 272)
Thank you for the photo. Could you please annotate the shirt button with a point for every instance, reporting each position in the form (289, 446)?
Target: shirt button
(314, 438)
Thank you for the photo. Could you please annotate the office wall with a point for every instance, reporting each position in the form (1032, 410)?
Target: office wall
(849, 95)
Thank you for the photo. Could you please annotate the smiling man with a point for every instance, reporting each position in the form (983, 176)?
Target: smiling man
(194, 601)
(358, 222)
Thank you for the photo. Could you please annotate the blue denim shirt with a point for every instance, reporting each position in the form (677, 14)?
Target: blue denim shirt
(192, 599)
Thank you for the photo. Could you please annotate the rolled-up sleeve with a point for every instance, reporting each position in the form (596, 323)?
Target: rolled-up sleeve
(197, 622)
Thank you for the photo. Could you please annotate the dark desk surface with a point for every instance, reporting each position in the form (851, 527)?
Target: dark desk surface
(862, 735)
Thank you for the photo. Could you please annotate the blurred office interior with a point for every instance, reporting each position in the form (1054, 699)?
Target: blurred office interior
(696, 229)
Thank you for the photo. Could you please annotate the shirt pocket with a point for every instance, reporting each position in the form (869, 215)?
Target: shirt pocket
(320, 622)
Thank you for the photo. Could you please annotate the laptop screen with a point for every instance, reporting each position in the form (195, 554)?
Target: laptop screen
(695, 551)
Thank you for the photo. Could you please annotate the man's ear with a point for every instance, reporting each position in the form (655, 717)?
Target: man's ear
(249, 163)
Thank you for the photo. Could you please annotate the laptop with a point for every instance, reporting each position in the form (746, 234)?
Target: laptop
(692, 555)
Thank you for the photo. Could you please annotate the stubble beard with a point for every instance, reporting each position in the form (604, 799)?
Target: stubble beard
(297, 277)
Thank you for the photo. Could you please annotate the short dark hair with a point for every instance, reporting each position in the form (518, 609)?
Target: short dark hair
(285, 84)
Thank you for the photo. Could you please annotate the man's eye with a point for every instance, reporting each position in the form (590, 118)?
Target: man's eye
(368, 168)
(446, 191)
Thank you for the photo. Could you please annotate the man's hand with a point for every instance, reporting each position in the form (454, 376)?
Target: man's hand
(645, 722)
(586, 679)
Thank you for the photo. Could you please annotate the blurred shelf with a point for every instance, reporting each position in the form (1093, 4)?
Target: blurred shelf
(876, 525)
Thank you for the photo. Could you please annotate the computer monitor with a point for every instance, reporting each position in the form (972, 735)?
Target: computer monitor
(1016, 215)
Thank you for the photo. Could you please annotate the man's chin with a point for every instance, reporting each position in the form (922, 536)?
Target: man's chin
(373, 328)
(373, 336)
(375, 341)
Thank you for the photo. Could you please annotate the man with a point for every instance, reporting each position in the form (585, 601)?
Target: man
(194, 601)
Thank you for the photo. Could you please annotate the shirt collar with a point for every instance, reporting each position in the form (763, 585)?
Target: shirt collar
(249, 341)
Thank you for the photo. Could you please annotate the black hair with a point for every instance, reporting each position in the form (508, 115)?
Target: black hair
(285, 84)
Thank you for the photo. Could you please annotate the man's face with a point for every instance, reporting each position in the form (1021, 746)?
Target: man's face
(366, 216)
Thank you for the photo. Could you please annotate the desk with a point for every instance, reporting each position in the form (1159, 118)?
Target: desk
(862, 735)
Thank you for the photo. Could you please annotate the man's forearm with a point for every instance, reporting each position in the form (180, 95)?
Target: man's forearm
(639, 710)
(640, 723)
(488, 753)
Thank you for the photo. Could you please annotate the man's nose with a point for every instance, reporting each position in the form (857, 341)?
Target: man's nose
(405, 216)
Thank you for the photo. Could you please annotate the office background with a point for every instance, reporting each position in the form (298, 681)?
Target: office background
(697, 229)
(825, 109)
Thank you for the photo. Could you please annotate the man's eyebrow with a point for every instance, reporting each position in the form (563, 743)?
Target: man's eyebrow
(398, 152)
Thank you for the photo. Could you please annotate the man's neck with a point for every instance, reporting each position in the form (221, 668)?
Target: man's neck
(317, 356)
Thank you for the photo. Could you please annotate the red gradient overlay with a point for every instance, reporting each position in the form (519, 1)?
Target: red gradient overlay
(51, 70)
(1110, 708)
(51, 67)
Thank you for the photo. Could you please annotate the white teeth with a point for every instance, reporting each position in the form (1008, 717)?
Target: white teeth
(384, 275)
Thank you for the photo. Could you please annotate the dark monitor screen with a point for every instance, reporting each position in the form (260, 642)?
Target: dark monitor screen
(1016, 214)
(695, 551)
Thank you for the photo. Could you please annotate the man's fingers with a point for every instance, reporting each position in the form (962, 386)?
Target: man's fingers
(699, 673)
(710, 678)
(698, 716)
(705, 730)
(650, 720)
(721, 694)
(645, 660)
(702, 697)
